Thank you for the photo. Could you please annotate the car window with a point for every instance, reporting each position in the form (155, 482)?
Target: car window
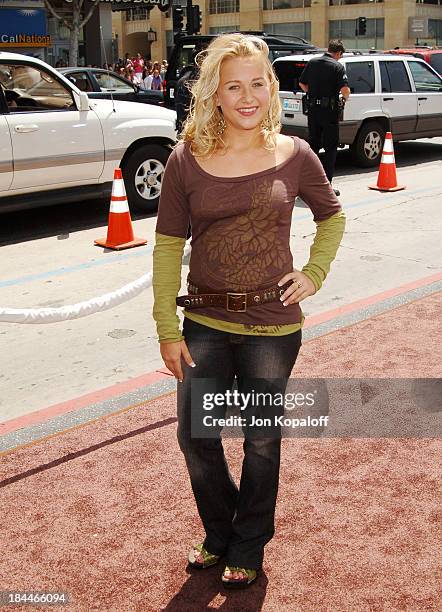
(424, 78)
(360, 77)
(394, 77)
(81, 80)
(28, 89)
(109, 82)
(436, 62)
(184, 57)
(288, 74)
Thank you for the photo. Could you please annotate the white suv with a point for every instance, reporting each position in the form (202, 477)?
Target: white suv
(56, 145)
(400, 94)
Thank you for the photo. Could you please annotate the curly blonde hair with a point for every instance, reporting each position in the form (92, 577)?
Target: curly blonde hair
(201, 127)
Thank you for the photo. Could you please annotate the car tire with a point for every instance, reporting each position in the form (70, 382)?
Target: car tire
(143, 173)
(367, 148)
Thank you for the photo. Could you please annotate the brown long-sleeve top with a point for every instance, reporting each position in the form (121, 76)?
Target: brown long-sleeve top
(240, 238)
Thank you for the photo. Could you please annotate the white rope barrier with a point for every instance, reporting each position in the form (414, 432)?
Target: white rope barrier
(81, 309)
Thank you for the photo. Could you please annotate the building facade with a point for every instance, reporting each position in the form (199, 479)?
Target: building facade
(387, 26)
(127, 26)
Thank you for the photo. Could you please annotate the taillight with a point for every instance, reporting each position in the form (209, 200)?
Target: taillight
(164, 86)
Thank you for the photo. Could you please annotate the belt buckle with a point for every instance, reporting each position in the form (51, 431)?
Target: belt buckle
(243, 296)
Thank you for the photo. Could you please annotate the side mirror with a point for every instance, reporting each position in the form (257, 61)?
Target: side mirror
(81, 101)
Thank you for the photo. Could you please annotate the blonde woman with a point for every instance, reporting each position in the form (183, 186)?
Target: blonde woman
(235, 179)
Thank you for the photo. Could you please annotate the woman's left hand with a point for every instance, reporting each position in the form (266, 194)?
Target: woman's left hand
(301, 288)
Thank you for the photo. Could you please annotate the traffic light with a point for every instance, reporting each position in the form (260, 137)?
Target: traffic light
(177, 18)
(196, 15)
(362, 26)
(193, 20)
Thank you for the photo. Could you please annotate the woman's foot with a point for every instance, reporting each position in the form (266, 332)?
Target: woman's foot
(238, 577)
(200, 558)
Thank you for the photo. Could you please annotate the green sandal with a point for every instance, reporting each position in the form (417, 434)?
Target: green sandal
(238, 583)
(208, 558)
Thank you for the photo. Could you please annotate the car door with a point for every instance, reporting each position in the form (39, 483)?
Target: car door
(6, 167)
(398, 100)
(111, 83)
(53, 143)
(428, 87)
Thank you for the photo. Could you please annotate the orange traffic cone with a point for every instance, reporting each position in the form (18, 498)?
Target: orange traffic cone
(120, 234)
(387, 180)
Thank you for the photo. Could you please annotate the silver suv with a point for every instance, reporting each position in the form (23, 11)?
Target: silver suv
(402, 95)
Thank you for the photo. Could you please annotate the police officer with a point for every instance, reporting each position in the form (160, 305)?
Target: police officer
(323, 79)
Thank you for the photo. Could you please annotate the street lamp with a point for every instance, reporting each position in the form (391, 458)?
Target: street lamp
(151, 35)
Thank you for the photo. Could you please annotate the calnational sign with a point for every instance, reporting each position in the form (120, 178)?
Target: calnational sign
(23, 28)
(25, 40)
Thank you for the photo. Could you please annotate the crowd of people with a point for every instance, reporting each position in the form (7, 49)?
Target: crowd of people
(147, 74)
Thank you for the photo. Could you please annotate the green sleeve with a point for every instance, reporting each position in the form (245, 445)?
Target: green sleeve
(166, 283)
(323, 250)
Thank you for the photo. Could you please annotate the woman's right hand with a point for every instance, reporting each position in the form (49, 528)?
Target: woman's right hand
(171, 353)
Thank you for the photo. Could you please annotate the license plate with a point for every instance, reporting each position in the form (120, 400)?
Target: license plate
(291, 105)
(171, 93)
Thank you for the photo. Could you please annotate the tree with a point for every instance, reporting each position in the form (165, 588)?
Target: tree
(74, 22)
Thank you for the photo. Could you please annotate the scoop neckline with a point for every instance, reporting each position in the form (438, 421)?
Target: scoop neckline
(229, 179)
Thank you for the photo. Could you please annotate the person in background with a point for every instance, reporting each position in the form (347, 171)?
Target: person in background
(324, 80)
(138, 67)
(235, 178)
(128, 72)
(147, 79)
(157, 81)
(163, 69)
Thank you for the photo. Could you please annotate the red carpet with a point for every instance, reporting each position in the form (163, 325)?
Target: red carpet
(105, 511)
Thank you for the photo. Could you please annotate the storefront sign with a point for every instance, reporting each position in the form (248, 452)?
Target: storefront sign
(418, 27)
(23, 28)
(123, 5)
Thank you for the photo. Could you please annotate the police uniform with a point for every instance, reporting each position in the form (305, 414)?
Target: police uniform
(325, 77)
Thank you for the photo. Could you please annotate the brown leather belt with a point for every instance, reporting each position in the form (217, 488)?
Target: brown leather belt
(233, 302)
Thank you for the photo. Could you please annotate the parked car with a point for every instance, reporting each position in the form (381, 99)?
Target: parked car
(100, 84)
(182, 53)
(57, 145)
(431, 55)
(388, 93)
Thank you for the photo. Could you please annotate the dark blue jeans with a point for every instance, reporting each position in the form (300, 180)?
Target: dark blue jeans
(237, 522)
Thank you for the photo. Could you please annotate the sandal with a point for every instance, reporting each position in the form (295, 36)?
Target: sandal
(208, 558)
(249, 575)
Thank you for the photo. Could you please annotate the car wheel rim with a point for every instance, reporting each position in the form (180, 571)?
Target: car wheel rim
(148, 179)
(372, 145)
